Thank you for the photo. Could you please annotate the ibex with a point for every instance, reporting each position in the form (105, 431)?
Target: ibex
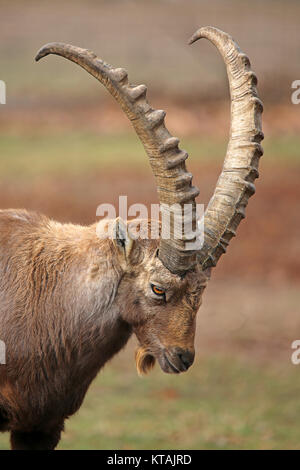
(70, 299)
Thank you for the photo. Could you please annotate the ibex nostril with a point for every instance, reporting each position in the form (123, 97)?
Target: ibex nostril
(187, 358)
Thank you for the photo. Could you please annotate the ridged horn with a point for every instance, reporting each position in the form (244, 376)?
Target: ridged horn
(166, 158)
(235, 185)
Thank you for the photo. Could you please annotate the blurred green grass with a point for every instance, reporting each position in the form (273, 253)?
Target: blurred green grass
(75, 153)
(221, 403)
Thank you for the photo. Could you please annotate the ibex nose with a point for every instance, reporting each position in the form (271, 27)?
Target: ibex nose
(186, 357)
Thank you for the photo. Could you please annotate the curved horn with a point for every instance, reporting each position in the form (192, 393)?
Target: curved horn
(235, 185)
(166, 159)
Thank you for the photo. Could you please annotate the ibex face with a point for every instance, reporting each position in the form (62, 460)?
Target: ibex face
(167, 332)
(169, 318)
(160, 306)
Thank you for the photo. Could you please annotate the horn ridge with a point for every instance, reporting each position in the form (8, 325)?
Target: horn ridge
(166, 158)
(235, 185)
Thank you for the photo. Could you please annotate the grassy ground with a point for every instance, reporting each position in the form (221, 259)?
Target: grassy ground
(222, 403)
(80, 153)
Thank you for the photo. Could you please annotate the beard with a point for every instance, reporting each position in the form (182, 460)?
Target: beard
(144, 361)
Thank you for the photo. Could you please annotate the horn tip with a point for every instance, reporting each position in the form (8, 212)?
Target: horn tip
(49, 48)
(39, 56)
(42, 52)
(205, 32)
(197, 35)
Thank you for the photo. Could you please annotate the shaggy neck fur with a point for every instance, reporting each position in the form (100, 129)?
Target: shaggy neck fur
(65, 325)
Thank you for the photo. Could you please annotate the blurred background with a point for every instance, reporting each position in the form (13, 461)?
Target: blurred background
(66, 147)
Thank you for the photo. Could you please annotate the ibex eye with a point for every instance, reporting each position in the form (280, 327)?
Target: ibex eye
(157, 290)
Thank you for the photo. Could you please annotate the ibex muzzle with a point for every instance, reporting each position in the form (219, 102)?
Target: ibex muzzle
(71, 299)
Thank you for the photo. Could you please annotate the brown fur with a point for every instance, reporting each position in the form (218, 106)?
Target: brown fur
(144, 361)
(69, 301)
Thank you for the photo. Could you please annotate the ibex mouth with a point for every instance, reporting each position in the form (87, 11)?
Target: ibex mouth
(168, 365)
(173, 361)
(176, 360)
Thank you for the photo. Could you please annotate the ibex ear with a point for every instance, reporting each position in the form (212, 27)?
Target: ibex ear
(122, 238)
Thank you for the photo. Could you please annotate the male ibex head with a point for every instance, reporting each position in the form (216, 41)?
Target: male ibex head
(70, 299)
